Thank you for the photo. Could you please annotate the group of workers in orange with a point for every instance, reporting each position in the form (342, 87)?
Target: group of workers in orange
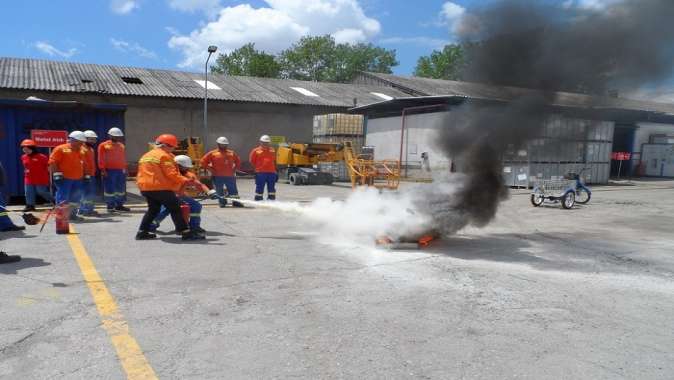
(73, 167)
(164, 181)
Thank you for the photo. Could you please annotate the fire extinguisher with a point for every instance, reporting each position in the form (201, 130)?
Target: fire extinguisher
(185, 211)
(61, 218)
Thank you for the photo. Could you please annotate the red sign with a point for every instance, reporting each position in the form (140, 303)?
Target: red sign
(48, 139)
(621, 156)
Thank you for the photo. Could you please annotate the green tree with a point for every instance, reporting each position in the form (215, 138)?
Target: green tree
(321, 59)
(446, 64)
(247, 61)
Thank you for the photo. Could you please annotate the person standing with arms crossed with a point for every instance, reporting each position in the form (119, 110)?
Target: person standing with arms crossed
(158, 180)
(222, 163)
(112, 164)
(263, 158)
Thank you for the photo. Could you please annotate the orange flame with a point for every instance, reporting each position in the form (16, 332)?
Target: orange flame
(425, 240)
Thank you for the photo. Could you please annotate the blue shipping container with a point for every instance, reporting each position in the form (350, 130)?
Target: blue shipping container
(19, 117)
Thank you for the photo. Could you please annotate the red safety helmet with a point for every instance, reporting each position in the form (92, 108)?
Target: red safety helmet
(28, 142)
(167, 139)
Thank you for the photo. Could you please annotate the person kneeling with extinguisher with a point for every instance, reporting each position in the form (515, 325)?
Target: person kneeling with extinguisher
(158, 180)
(191, 209)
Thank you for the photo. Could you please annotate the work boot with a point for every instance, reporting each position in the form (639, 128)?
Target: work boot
(28, 208)
(13, 228)
(237, 204)
(199, 230)
(192, 235)
(93, 213)
(76, 218)
(122, 208)
(6, 259)
(144, 235)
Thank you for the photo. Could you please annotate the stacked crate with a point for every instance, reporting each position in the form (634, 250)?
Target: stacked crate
(338, 128)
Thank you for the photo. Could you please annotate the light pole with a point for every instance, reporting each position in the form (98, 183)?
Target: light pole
(211, 50)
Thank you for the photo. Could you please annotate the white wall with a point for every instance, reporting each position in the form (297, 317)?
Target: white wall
(420, 136)
(645, 130)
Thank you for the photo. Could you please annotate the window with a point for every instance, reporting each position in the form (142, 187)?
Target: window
(304, 91)
(383, 96)
(211, 85)
(132, 80)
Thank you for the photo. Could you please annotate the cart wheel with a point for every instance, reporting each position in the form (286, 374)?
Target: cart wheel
(295, 180)
(583, 195)
(537, 198)
(569, 199)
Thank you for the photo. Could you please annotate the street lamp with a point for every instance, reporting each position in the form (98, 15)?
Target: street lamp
(211, 50)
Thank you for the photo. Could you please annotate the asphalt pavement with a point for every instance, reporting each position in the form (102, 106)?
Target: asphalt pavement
(540, 293)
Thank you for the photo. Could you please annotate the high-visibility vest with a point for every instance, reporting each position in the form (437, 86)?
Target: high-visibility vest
(157, 171)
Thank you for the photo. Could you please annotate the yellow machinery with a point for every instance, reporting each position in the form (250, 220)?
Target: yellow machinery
(296, 162)
(296, 154)
(365, 171)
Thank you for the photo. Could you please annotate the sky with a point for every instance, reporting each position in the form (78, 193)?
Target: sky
(174, 34)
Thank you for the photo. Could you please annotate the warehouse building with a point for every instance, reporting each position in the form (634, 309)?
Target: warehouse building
(164, 101)
(581, 132)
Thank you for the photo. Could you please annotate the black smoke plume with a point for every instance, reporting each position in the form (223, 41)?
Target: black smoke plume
(622, 46)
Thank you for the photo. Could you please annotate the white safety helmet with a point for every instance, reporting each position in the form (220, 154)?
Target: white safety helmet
(183, 160)
(90, 134)
(222, 140)
(115, 132)
(77, 135)
(265, 139)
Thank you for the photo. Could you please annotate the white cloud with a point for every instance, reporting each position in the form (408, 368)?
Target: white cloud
(435, 43)
(276, 26)
(123, 7)
(52, 51)
(132, 47)
(206, 6)
(452, 15)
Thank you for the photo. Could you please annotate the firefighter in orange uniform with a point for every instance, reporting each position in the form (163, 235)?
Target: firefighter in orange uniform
(67, 165)
(158, 180)
(222, 163)
(263, 158)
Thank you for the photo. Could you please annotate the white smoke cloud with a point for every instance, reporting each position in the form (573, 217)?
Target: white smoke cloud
(367, 215)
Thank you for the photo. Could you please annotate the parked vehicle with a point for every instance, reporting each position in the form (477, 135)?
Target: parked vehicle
(563, 191)
(583, 193)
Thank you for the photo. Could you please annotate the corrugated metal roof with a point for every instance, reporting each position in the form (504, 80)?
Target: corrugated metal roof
(436, 87)
(43, 75)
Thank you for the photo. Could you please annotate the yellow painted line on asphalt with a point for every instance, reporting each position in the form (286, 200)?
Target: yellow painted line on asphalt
(129, 352)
